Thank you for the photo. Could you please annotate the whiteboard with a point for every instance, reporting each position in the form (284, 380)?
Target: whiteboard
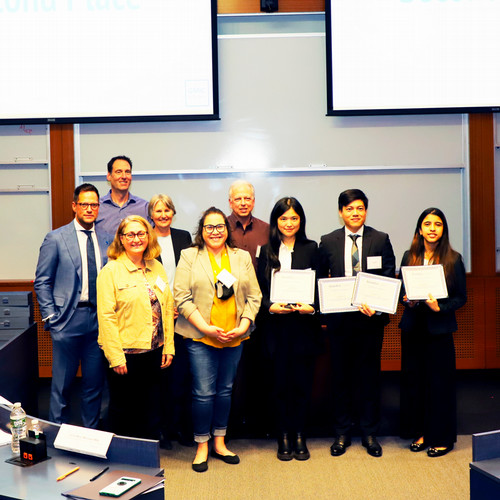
(273, 114)
(25, 208)
(274, 132)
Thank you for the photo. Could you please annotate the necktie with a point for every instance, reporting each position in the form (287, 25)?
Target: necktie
(91, 268)
(355, 255)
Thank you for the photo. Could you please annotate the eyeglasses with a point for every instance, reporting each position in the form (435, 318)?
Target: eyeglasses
(209, 228)
(93, 206)
(142, 235)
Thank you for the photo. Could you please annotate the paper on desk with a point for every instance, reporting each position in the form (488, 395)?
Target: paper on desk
(83, 440)
(5, 438)
(4, 401)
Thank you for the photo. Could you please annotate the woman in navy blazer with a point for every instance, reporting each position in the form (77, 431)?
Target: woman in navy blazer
(428, 396)
(291, 331)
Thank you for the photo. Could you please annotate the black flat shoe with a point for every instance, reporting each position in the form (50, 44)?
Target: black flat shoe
(201, 467)
(340, 443)
(372, 446)
(434, 452)
(228, 459)
(416, 447)
(285, 452)
(300, 451)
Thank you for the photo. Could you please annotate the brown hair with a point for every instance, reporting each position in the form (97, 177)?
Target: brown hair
(152, 250)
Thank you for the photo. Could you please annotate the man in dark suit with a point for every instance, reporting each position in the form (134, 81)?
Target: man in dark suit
(65, 285)
(356, 337)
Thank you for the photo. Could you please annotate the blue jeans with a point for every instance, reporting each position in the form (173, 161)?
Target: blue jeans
(213, 372)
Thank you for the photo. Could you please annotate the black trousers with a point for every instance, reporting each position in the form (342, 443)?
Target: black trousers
(175, 400)
(134, 398)
(292, 386)
(428, 391)
(355, 364)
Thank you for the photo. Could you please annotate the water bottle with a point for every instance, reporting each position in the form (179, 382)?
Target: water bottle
(17, 426)
(35, 427)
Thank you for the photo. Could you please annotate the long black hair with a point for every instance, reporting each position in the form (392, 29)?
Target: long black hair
(275, 235)
(443, 253)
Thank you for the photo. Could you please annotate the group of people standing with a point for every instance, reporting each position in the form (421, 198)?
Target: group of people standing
(126, 302)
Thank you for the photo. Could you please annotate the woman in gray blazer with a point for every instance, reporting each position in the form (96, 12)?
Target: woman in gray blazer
(218, 296)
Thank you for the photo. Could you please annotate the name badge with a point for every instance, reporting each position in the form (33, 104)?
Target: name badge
(226, 278)
(374, 262)
(160, 284)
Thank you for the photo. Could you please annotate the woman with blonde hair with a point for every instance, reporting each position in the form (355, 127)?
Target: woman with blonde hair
(136, 326)
(176, 406)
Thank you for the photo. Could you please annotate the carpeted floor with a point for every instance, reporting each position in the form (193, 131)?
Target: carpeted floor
(398, 475)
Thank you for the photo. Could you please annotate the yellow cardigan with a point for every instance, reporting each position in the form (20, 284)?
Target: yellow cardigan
(124, 309)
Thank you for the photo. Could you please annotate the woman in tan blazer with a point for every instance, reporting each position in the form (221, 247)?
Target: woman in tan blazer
(218, 296)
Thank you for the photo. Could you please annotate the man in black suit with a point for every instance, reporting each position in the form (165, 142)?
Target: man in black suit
(356, 337)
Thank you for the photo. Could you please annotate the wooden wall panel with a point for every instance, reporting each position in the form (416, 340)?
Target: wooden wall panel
(492, 327)
(253, 6)
(482, 194)
(470, 337)
(62, 172)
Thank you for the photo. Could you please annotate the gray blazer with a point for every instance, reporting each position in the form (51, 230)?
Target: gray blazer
(194, 288)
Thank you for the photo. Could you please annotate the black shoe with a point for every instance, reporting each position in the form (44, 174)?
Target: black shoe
(285, 452)
(165, 444)
(416, 447)
(201, 467)
(372, 446)
(228, 459)
(340, 443)
(300, 451)
(434, 452)
(185, 439)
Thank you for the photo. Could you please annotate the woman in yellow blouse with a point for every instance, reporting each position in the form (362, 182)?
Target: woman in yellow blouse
(218, 297)
(136, 326)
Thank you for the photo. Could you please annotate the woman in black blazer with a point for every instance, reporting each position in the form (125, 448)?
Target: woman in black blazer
(291, 331)
(428, 396)
(176, 406)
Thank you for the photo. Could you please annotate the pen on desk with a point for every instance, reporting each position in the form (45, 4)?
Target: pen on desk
(100, 473)
(66, 474)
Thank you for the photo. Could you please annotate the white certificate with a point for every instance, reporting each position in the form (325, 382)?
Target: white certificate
(335, 294)
(420, 281)
(293, 286)
(378, 292)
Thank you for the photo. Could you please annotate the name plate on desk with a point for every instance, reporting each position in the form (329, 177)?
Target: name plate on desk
(83, 440)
